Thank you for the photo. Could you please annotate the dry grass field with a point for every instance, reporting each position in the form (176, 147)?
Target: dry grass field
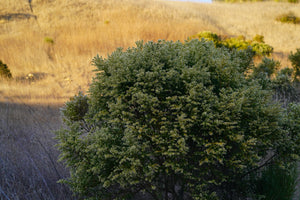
(48, 45)
(83, 28)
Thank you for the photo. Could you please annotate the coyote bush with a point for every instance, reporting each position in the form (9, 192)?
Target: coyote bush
(76, 108)
(4, 71)
(267, 66)
(49, 40)
(288, 18)
(257, 44)
(259, 38)
(172, 120)
(209, 36)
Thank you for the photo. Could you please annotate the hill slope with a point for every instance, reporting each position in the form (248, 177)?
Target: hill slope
(57, 39)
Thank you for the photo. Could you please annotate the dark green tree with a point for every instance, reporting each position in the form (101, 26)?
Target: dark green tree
(172, 120)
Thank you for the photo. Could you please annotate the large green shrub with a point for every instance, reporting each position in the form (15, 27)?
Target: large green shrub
(169, 120)
(4, 71)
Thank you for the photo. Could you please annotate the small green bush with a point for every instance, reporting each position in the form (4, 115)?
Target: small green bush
(257, 44)
(4, 71)
(208, 36)
(236, 42)
(49, 40)
(259, 38)
(295, 59)
(261, 49)
(75, 109)
(288, 18)
(267, 66)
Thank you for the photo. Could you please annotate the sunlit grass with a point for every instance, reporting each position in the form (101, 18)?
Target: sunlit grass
(60, 38)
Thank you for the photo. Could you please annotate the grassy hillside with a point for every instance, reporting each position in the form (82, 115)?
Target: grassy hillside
(80, 29)
(83, 28)
(48, 46)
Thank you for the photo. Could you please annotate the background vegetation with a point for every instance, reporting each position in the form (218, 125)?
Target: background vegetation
(48, 46)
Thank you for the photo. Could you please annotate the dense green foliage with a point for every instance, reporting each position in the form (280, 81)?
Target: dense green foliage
(257, 43)
(172, 120)
(4, 71)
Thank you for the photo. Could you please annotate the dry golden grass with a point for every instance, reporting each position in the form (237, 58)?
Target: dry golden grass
(81, 29)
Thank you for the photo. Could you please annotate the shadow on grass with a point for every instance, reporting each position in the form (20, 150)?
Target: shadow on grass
(17, 16)
(28, 156)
